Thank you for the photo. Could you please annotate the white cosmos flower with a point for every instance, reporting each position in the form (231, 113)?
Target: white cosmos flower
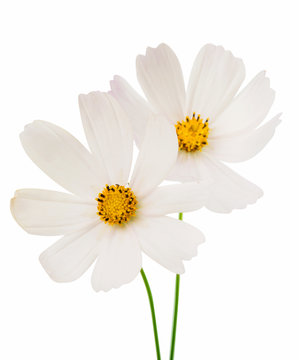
(232, 132)
(106, 218)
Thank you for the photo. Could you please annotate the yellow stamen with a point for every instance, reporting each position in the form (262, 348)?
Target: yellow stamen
(116, 204)
(192, 133)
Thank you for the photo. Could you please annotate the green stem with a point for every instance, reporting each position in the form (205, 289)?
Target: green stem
(151, 301)
(175, 310)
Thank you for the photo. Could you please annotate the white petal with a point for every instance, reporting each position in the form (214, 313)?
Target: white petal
(230, 191)
(62, 157)
(157, 155)
(215, 78)
(137, 109)
(72, 255)
(109, 134)
(247, 110)
(119, 263)
(44, 212)
(175, 198)
(185, 167)
(161, 78)
(245, 146)
(168, 241)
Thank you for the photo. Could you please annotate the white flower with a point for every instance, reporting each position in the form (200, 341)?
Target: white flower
(106, 217)
(213, 124)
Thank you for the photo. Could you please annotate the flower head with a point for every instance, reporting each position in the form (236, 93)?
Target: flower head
(107, 217)
(212, 123)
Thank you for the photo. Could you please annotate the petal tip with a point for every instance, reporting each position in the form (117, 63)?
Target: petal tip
(181, 270)
(12, 205)
(99, 287)
(115, 80)
(13, 212)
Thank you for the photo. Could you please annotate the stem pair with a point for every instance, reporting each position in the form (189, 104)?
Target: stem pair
(175, 311)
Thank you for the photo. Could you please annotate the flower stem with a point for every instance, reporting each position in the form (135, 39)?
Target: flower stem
(175, 310)
(151, 301)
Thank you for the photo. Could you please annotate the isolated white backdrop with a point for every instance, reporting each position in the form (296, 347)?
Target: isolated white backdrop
(239, 296)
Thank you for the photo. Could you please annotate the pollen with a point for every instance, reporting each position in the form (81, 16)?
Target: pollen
(192, 133)
(116, 204)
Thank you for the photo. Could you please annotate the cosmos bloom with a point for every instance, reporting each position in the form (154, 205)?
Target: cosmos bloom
(213, 123)
(105, 218)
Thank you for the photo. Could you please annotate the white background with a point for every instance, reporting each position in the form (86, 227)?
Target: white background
(239, 296)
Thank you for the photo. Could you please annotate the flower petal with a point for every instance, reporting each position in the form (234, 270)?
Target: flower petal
(215, 78)
(245, 146)
(168, 241)
(157, 155)
(247, 110)
(62, 158)
(230, 191)
(185, 167)
(137, 109)
(120, 261)
(161, 78)
(44, 212)
(175, 198)
(109, 134)
(72, 255)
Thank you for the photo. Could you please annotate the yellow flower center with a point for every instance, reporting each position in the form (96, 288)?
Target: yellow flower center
(116, 204)
(192, 133)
